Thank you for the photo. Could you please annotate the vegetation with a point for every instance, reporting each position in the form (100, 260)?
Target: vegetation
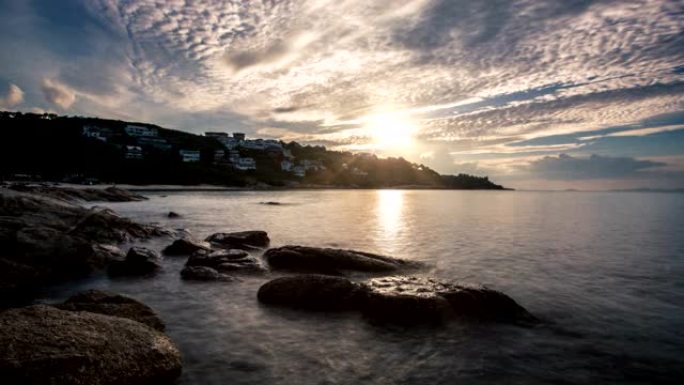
(51, 147)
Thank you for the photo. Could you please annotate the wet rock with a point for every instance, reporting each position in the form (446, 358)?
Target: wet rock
(173, 215)
(203, 273)
(109, 194)
(226, 261)
(314, 292)
(45, 345)
(247, 240)
(186, 246)
(101, 302)
(271, 203)
(331, 261)
(139, 261)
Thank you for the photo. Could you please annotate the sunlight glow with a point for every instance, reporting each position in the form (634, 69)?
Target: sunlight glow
(391, 131)
(389, 213)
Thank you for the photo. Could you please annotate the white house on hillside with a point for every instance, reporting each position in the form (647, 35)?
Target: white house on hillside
(133, 130)
(190, 155)
(245, 164)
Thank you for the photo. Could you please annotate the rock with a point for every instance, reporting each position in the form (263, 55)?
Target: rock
(331, 261)
(101, 302)
(232, 260)
(407, 299)
(45, 345)
(139, 261)
(271, 203)
(186, 246)
(240, 240)
(109, 194)
(173, 214)
(398, 300)
(203, 273)
(313, 292)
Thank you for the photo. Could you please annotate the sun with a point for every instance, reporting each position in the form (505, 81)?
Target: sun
(391, 131)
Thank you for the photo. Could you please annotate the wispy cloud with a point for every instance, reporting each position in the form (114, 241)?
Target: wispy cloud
(12, 97)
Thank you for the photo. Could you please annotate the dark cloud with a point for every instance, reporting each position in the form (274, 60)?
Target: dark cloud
(244, 59)
(594, 167)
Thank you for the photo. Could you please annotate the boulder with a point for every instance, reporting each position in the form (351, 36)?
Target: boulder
(203, 273)
(173, 214)
(139, 261)
(101, 302)
(331, 261)
(246, 240)
(185, 246)
(45, 345)
(313, 292)
(231, 260)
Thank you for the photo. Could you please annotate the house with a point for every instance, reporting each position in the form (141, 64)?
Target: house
(254, 144)
(190, 155)
(239, 136)
(98, 133)
(154, 142)
(133, 130)
(233, 155)
(312, 165)
(299, 171)
(133, 152)
(220, 158)
(286, 165)
(216, 135)
(245, 164)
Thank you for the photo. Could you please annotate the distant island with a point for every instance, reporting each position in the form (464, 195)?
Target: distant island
(48, 147)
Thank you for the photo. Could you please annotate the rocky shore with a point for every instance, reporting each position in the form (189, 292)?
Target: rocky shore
(97, 337)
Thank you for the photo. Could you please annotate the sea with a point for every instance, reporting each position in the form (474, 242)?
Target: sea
(603, 270)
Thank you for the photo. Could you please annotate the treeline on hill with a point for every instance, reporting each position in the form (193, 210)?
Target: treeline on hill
(51, 147)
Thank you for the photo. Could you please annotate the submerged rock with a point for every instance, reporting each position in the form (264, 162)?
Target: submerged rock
(139, 261)
(231, 260)
(96, 301)
(45, 345)
(315, 292)
(398, 299)
(186, 246)
(248, 240)
(331, 261)
(203, 273)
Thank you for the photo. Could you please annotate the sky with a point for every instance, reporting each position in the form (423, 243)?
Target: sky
(538, 94)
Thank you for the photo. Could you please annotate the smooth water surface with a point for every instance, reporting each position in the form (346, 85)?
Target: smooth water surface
(605, 270)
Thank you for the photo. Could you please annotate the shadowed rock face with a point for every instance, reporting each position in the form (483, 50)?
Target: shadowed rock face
(139, 261)
(45, 345)
(315, 292)
(247, 240)
(96, 301)
(186, 246)
(109, 194)
(398, 300)
(226, 261)
(43, 240)
(331, 261)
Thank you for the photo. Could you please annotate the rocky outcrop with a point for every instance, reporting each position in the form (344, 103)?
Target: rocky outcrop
(226, 261)
(43, 240)
(139, 261)
(331, 261)
(398, 299)
(173, 215)
(246, 240)
(203, 273)
(314, 292)
(101, 302)
(186, 246)
(45, 345)
(109, 194)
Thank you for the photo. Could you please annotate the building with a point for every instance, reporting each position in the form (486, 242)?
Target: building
(190, 155)
(286, 165)
(133, 130)
(217, 135)
(133, 152)
(312, 165)
(154, 142)
(299, 171)
(239, 136)
(233, 156)
(254, 144)
(99, 133)
(245, 164)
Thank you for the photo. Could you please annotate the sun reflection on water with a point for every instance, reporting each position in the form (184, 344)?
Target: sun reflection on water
(389, 211)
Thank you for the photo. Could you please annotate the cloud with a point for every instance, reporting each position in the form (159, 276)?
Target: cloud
(14, 96)
(58, 93)
(593, 167)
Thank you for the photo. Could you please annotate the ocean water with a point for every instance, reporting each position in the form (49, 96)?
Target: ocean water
(604, 270)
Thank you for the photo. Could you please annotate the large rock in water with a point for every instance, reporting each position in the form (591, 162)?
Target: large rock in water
(226, 261)
(254, 239)
(203, 273)
(315, 292)
(186, 246)
(398, 300)
(96, 301)
(44, 345)
(44, 240)
(139, 261)
(331, 261)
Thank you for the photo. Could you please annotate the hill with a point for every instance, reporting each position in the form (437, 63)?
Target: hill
(88, 150)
